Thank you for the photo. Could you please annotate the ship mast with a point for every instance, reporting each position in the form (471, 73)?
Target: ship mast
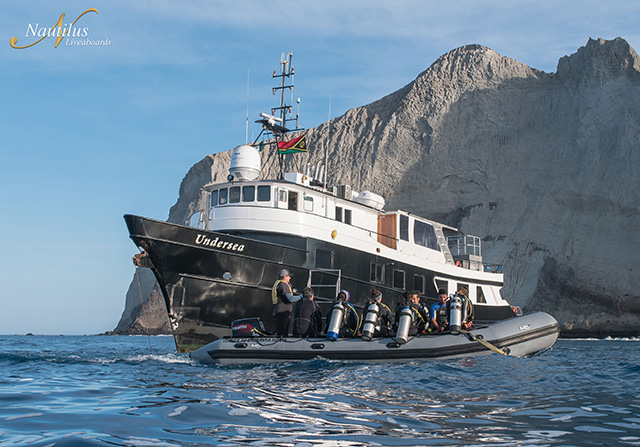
(276, 123)
(286, 72)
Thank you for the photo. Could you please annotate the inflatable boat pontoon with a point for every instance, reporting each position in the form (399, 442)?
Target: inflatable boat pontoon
(521, 336)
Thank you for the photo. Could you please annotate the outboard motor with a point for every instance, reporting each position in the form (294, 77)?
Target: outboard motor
(455, 314)
(369, 327)
(336, 322)
(404, 324)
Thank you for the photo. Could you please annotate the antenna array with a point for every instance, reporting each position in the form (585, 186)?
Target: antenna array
(286, 72)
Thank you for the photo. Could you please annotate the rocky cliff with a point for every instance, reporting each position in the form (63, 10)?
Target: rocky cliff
(543, 165)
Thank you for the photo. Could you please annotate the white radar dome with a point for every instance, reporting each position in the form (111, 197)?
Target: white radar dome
(245, 163)
(370, 199)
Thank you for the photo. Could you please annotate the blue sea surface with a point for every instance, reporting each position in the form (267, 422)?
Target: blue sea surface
(136, 391)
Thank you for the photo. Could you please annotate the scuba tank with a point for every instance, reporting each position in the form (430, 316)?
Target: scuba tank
(455, 314)
(336, 322)
(369, 327)
(404, 324)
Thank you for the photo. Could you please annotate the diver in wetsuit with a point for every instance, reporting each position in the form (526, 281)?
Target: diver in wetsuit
(419, 315)
(350, 321)
(384, 322)
(307, 318)
(439, 313)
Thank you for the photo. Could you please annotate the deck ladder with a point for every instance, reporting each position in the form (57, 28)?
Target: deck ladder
(444, 245)
(328, 288)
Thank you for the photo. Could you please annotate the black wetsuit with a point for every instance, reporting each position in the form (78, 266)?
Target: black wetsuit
(384, 324)
(419, 318)
(307, 319)
(350, 321)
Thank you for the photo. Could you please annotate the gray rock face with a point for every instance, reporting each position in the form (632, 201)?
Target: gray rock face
(544, 166)
(145, 312)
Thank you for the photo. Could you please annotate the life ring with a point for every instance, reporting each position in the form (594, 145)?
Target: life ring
(458, 264)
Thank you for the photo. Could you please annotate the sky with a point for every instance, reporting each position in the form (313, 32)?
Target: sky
(91, 132)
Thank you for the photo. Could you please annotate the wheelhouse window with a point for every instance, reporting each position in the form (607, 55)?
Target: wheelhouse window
(339, 213)
(404, 228)
(234, 194)
(307, 204)
(324, 258)
(398, 279)
(214, 198)
(293, 200)
(223, 196)
(248, 193)
(264, 193)
(424, 235)
(377, 272)
(347, 217)
(418, 283)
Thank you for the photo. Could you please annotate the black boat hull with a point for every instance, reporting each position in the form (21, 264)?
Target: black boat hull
(209, 279)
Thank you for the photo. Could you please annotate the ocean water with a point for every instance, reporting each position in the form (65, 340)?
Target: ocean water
(135, 391)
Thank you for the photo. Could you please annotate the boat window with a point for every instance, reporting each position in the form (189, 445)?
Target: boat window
(194, 221)
(283, 195)
(308, 203)
(418, 283)
(224, 192)
(339, 213)
(398, 279)
(404, 228)
(293, 200)
(424, 235)
(264, 193)
(324, 258)
(442, 284)
(234, 194)
(248, 193)
(347, 217)
(214, 197)
(480, 296)
(377, 272)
